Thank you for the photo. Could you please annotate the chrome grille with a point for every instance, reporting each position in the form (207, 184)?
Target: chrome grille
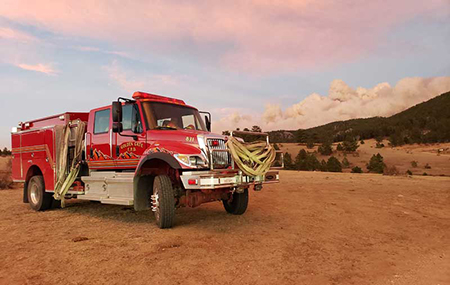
(220, 158)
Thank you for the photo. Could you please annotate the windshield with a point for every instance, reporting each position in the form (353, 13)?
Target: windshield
(168, 116)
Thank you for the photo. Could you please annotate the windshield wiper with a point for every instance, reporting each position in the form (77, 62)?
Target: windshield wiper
(165, 128)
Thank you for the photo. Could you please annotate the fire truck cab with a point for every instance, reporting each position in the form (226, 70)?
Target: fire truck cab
(151, 152)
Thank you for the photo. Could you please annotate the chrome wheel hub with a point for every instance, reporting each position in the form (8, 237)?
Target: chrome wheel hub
(155, 202)
(35, 194)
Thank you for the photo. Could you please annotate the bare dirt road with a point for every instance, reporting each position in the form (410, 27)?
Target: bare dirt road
(313, 228)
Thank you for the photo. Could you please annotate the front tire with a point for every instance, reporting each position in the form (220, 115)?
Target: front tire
(37, 197)
(238, 203)
(163, 201)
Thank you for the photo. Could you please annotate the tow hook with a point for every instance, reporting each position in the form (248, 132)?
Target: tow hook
(258, 187)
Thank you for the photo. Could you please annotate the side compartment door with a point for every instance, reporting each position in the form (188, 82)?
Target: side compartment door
(99, 152)
(127, 150)
(17, 170)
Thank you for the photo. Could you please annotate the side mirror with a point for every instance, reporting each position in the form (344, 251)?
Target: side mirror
(117, 127)
(208, 123)
(117, 112)
(207, 120)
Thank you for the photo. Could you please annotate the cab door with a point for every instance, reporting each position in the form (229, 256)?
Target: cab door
(131, 143)
(100, 139)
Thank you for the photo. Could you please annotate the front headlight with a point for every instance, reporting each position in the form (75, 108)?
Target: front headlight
(194, 161)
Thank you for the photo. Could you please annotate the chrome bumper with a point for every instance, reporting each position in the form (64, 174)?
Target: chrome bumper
(225, 179)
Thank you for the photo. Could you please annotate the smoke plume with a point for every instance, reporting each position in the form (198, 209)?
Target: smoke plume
(343, 103)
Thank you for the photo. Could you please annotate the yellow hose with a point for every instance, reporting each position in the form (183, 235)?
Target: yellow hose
(254, 159)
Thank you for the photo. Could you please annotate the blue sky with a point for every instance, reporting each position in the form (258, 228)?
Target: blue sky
(233, 68)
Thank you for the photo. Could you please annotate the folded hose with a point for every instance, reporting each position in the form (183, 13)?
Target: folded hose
(67, 177)
(254, 159)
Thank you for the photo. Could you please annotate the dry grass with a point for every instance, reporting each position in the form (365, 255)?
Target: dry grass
(312, 228)
(5, 175)
(391, 170)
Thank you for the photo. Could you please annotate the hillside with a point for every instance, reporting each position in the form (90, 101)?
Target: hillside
(427, 122)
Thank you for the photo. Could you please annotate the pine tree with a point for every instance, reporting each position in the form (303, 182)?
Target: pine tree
(325, 148)
(323, 166)
(288, 164)
(350, 144)
(333, 165)
(376, 164)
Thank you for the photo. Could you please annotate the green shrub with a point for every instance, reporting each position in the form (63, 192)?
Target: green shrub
(339, 147)
(333, 165)
(409, 172)
(325, 148)
(379, 145)
(350, 144)
(376, 164)
(357, 169)
(345, 163)
(288, 164)
(414, 163)
(323, 166)
(306, 161)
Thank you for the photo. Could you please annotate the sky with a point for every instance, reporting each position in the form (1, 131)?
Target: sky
(277, 64)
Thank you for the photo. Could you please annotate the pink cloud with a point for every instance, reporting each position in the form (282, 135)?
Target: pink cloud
(132, 82)
(15, 35)
(245, 35)
(44, 68)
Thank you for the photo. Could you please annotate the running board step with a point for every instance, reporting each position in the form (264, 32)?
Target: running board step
(109, 187)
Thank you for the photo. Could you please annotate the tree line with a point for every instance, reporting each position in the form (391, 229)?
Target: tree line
(307, 161)
(5, 152)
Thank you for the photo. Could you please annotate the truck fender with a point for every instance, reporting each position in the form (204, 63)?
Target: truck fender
(155, 163)
(169, 159)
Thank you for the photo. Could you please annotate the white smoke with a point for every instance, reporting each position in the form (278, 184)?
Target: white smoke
(343, 103)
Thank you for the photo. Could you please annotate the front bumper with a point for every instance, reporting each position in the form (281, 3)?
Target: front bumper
(228, 178)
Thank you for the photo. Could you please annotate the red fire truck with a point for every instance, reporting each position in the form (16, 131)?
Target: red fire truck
(150, 152)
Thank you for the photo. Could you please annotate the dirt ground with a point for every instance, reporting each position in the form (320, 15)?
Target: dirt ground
(312, 228)
(437, 156)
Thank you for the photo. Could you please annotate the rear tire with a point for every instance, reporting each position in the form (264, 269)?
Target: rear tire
(163, 201)
(238, 204)
(37, 197)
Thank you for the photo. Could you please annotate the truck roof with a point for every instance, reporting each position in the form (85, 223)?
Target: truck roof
(59, 119)
(64, 118)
